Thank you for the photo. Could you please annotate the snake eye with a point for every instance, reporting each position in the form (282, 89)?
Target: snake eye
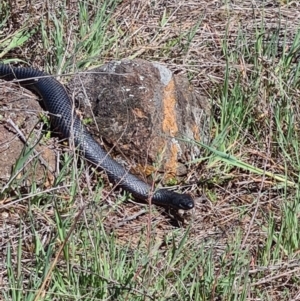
(189, 204)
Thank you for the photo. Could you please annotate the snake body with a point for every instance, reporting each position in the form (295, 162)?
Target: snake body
(58, 103)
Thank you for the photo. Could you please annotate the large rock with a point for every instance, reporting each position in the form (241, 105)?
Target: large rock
(145, 112)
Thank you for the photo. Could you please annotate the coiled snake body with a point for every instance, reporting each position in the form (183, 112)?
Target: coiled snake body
(63, 118)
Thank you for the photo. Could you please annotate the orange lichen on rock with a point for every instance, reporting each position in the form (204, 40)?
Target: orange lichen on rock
(170, 127)
(196, 133)
(172, 161)
(169, 102)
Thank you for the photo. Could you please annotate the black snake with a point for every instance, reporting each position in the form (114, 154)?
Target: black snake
(58, 103)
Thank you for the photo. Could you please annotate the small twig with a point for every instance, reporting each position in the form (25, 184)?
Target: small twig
(130, 218)
(268, 143)
(32, 195)
(271, 278)
(117, 283)
(23, 139)
(47, 277)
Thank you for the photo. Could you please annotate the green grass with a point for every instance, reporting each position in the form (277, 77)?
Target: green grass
(88, 40)
(62, 247)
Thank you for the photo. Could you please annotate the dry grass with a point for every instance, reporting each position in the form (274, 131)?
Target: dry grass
(241, 217)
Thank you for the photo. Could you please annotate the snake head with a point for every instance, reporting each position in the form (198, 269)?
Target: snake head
(174, 200)
(182, 201)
